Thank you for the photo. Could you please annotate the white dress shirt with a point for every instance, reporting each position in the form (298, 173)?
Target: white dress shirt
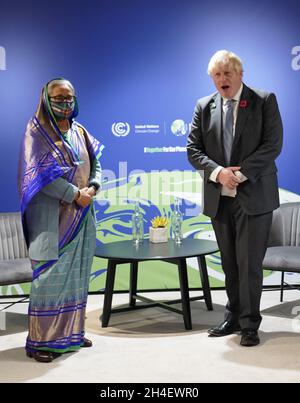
(213, 177)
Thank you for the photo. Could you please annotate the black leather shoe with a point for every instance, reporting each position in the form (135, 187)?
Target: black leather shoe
(86, 343)
(249, 338)
(226, 328)
(40, 356)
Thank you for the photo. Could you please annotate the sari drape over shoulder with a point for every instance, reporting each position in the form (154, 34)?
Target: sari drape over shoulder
(60, 285)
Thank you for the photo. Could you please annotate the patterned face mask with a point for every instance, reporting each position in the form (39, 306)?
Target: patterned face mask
(62, 110)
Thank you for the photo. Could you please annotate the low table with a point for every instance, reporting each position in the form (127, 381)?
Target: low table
(126, 252)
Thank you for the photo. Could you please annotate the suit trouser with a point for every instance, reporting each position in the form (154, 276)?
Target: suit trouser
(242, 240)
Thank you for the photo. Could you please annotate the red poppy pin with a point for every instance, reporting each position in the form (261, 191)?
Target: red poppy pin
(243, 103)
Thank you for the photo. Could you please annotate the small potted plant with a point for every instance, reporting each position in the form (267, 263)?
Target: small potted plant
(158, 232)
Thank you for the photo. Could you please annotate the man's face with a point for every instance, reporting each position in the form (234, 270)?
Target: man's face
(226, 80)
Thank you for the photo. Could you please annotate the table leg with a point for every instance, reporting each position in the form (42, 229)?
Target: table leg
(133, 283)
(205, 282)
(185, 298)
(109, 289)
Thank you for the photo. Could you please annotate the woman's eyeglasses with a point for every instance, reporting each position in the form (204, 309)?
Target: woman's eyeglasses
(63, 99)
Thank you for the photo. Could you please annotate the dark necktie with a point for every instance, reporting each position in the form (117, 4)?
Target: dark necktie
(228, 130)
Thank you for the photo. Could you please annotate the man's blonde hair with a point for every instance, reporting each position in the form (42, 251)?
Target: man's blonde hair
(223, 58)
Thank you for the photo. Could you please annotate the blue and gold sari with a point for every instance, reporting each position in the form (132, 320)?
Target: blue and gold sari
(60, 286)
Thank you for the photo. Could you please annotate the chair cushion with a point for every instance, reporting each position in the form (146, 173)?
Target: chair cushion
(285, 229)
(12, 242)
(15, 271)
(283, 258)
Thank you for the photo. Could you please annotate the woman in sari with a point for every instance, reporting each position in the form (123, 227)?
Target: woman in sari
(59, 173)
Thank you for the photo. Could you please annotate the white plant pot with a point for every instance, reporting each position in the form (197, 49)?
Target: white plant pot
(157, 235)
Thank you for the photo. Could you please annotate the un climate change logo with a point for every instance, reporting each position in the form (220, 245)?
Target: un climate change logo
(120, 129)
(179, 127)
(2, 58)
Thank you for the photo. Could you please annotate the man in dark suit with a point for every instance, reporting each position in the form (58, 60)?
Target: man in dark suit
(235, 137)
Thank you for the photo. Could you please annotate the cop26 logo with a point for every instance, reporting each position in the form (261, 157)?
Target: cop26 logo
(2, 58)
(296, 59)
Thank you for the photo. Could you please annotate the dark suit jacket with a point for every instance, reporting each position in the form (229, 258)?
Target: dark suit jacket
(257, 143)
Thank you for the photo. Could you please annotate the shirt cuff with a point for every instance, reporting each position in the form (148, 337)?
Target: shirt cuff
(215, 173)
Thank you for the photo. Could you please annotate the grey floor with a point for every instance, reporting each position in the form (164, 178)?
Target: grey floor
(152, 346)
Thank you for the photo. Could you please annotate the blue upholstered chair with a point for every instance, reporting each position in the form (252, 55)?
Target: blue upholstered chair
(283, 253)
(15, 267)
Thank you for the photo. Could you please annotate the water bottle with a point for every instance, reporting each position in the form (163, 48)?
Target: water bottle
(137, 224)
(176, 222)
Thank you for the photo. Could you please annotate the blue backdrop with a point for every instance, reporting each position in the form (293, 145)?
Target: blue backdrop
(142, 63)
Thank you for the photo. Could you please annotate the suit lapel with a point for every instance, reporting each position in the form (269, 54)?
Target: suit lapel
(244, 109)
